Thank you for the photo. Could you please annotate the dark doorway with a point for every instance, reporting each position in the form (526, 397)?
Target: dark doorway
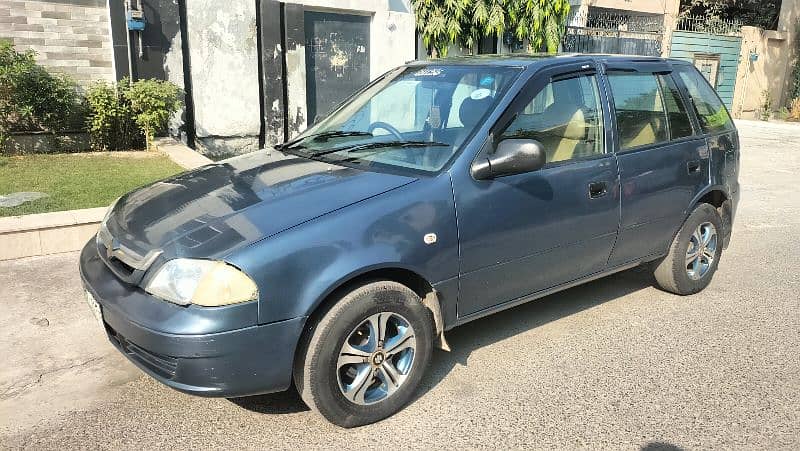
(337, 59)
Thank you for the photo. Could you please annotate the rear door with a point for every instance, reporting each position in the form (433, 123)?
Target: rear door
(663, 162)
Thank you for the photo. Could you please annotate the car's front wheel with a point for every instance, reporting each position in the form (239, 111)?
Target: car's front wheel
(363, 360)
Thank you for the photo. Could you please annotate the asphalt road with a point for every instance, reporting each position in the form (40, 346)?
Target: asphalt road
(612, 364)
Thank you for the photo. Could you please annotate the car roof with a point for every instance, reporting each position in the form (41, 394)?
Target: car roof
(529, 59)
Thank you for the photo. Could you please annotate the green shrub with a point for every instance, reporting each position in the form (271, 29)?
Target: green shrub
(765, 109)
(152, 103)
(127, 115)
(31, 98)
(110, 121)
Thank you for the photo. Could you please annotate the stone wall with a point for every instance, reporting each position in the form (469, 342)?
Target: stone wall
(71, 37)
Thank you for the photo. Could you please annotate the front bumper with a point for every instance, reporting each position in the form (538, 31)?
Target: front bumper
(181, 346)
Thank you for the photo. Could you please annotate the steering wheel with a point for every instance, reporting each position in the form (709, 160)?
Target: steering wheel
(388, 127)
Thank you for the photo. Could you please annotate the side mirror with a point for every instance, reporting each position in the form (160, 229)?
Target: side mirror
(512, 156)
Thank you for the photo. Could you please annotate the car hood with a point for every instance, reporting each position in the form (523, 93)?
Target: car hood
(212, 210)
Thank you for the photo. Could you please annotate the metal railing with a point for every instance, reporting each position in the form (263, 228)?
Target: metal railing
(711, 25)
(613, 32)
(641, 23)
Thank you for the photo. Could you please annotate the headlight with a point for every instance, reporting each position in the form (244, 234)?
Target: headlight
(203, 282)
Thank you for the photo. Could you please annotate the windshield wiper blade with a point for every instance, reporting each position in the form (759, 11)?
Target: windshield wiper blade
(388, 145)
(321, 137)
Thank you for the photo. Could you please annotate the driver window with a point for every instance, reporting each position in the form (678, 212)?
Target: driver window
(565, 117)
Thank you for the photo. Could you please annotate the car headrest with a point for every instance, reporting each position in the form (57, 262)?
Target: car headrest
(568, 121)
(472, 110)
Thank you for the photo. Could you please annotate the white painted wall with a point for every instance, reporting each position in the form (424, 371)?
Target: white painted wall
(224, 65)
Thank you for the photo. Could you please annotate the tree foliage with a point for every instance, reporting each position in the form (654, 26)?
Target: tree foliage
(757, 13)
(443, 23)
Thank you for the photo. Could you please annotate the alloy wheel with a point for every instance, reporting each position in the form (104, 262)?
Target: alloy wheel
(702, 251)
(376, 358)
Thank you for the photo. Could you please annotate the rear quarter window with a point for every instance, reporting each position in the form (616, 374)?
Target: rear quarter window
(711, 112)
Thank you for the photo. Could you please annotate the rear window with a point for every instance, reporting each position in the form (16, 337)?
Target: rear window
(641, 119)
(710, 110)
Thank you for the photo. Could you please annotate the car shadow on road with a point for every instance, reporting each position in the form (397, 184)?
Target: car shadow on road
(500, 326)
(485, 332)
(273, 403)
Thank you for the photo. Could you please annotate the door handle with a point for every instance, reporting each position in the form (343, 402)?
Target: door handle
(597, 189)
(693, 167)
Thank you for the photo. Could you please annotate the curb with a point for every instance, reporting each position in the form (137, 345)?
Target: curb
(48, 233)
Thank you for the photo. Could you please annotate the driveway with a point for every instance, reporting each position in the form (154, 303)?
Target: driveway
(614, 364)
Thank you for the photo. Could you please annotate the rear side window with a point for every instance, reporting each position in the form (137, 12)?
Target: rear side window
(680, 126)
(709, 108)
(641, 119)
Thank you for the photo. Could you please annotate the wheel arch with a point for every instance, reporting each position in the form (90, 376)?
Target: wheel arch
(391, 272)
(719, 198)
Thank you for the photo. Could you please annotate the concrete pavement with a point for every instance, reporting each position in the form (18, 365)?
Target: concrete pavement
(612, 364)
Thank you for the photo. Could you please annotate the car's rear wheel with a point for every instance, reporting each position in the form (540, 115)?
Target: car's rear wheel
(694, 254)
(363, 360)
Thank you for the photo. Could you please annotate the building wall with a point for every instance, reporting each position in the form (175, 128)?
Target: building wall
(224, 71)
(640, 6)
(773, 69)
(69, 36)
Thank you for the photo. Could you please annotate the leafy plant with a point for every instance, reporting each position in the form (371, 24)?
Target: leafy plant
(123, 115)
(110, 121)
(33, 99)
(443, 23)
(541, 22)
(794, 110)
(758, 13)
(152, 103)
(765, 109)
(795, 88)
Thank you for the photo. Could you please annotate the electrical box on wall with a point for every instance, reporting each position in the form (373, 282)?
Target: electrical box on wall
(136, 20)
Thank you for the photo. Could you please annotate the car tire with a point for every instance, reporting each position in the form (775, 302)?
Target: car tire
(343, 346)
(694, 254)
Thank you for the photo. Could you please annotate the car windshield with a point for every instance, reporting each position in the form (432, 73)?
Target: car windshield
(415, 118)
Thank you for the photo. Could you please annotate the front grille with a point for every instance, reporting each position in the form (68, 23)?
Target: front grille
(162, 365)
(128, 264)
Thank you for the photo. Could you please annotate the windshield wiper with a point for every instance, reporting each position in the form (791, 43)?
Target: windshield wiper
(388, 145)
(321, 137)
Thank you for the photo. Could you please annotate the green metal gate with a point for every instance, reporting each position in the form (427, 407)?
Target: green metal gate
(713, 48)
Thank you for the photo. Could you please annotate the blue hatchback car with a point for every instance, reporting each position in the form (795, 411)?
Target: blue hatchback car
(442, 192)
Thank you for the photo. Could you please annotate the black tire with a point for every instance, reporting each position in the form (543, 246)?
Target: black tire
(316, 373)
(671, 272)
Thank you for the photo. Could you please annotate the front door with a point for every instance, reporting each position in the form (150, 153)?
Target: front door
(526, 233)
(337, 59)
